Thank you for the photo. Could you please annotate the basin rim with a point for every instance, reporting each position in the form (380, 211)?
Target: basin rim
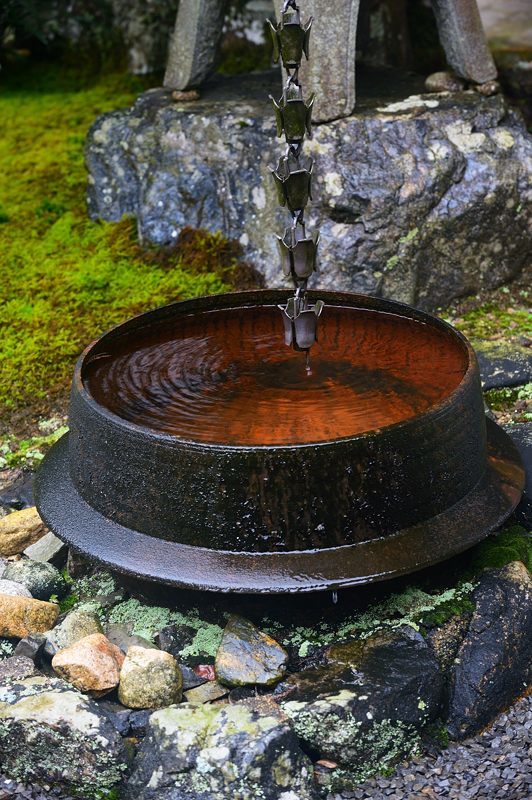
(270, 297)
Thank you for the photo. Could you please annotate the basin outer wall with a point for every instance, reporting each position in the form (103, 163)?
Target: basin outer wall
(277, 498)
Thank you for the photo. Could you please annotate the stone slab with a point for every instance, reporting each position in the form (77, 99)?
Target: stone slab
(503, 364)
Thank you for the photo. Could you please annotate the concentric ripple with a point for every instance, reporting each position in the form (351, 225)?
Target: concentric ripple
(226, 376)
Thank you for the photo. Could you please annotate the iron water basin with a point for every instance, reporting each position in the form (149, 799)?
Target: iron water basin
(203, 454)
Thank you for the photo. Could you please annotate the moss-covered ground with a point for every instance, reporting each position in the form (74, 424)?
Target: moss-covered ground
(64, 278)
(501, 318)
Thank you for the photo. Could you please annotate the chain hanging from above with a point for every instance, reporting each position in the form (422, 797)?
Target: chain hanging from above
(293, 178)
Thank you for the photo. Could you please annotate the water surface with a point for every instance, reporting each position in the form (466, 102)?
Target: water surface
(226, 376)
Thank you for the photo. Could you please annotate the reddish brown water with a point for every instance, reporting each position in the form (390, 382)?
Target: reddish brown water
(227, 377)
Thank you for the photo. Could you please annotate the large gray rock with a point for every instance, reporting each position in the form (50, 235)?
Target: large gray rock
(422, 200)
(493, 665)
(51, 734)
(213, 753)
(365, 709)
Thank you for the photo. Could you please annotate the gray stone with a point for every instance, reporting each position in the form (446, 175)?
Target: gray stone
(120, 636)
(194, 44)
(206, 693)
(52, 734)
(75, 626)
(503, 364)
(16, 668)
(462, 36)
(212, 753)
(13, 588)
(423, 200)
(493, 665)
(117, 715)
(190, 678)
(40, 579)
(48, 549)
(521, 434)
(248, 656)
(443, 82)
(149, 678)
(32, 646)
(366, 708)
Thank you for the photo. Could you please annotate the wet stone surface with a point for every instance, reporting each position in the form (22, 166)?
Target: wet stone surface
(503, 365)
(419, 197)
(368, 705)
(493, 664)
(52, 734)
(248, 656)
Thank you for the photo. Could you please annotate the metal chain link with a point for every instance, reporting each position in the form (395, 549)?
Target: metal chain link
(293, 177)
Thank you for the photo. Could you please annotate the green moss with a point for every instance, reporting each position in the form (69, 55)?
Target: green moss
(146, 620)
(409, 236)
(488, 320)
(27, 452)
(505, 399)
(512, 544)
(65, 278)
(68, 602)
(391, 263)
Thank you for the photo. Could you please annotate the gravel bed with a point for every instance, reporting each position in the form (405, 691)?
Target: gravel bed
(495, 764)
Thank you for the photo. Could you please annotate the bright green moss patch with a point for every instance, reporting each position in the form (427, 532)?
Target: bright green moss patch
(66, 279)
(515, 400)
(27, 452)
(492, 320)
(512, 544)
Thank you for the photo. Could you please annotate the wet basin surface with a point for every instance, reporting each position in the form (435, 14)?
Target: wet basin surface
(226, 377)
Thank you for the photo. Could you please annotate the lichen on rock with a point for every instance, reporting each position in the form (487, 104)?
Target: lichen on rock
(211, 753)
(367, 707)
(52, 734)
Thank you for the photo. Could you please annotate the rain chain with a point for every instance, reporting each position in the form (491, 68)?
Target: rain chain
(293, 178)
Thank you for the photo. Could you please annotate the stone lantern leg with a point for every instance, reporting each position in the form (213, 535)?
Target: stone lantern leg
(194, 43)
(330, 73)
(463, 39)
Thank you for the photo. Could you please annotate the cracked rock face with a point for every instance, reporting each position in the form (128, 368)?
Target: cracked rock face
(212, 752)
(52, 734)
(493, 665)
(422, 200)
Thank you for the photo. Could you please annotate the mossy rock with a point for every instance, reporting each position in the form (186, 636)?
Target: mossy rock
(52, 734)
